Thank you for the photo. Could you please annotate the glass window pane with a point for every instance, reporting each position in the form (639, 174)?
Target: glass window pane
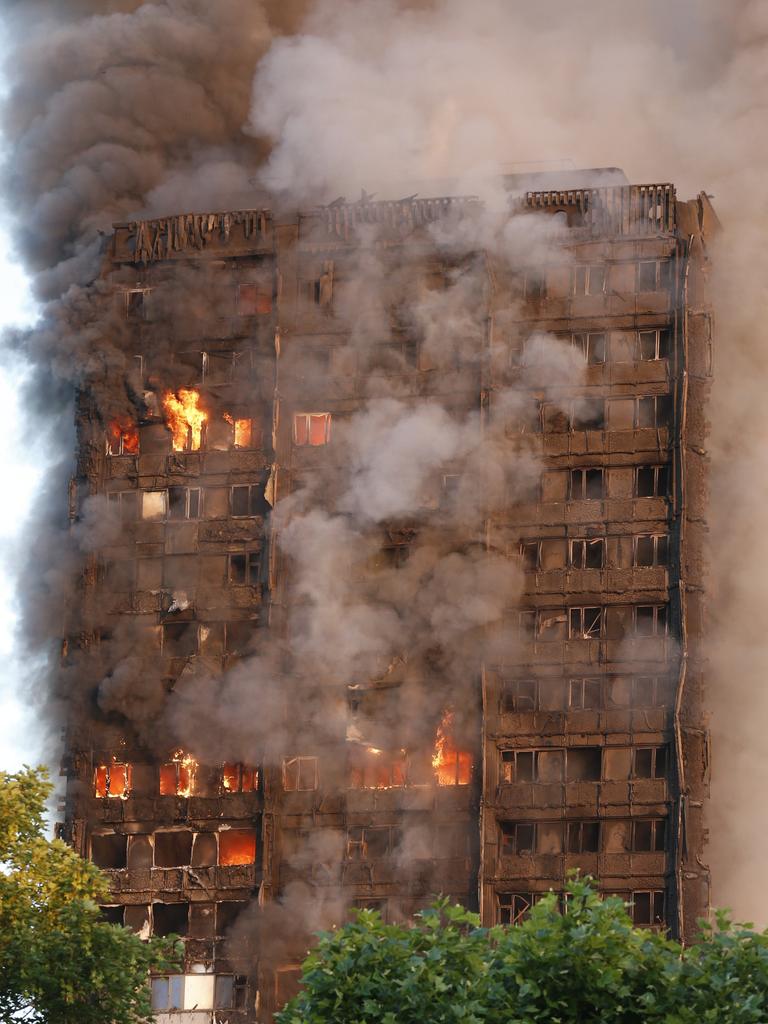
(160, 994)
(225, 992)
(198, 991)
(647, 344)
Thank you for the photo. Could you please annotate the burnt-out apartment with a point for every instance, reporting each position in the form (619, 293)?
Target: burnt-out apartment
(391, 516)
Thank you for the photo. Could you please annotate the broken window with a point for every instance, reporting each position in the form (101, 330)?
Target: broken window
(585, 694)
(517, 838)
(245, 569)
(239, 636)
(371, 768)
(647, 908)
(177, 777)
(647, 691)
(531, 766)
(587, 553)
(649, 763)
(239, 778)
(372, 843)
(253, 300)
(551, 625)
(519, 695)
(452, 767)
(525, 620)
(585, 623)
(237, 846)
(588, 414)
(136, 303)
(186, 421)
(311, 428)
(514, 907)
(530, 552)
(246, 499)
(652, 549)
(586, 485)
(122, 438)
(653, 344)
(299, 774)
(591, 344)
(231, 992)
(113, 779)
(556, 419)
(583, 837)
(113, 915)
(654, 275)
(173, 848)
(170, 919)
(584, 764)
(649, 835)
(227, 912)
(653, 411)
(589, 279)
(183, 502)
(125, 502)
(246, 432)
(184, 991)
(153, 504)
(109, 851)
(180, 639)
(535, 284)
(652, 482)
(651, 620)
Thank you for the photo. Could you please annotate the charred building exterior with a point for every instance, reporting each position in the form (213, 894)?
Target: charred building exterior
(321, 663)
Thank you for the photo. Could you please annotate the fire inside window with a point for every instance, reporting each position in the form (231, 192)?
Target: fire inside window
(113, 780)
(122, 438)
(371, 768)
(185, 419)
(311, 428)
(239, 778)
(245, 433)
(237, 846)
(452, 767)
(177, 777)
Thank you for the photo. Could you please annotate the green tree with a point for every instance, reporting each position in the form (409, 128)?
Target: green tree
(60, 963)
(584, 965)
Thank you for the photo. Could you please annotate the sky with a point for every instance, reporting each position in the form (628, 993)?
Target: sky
(20, 742)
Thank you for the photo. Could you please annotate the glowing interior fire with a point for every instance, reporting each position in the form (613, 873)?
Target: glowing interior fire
(237, 846)
(113, 780)
(177, 776)
(243, 430)
(185, 419)
(452, 767)
(372, 768)
(122, 437)
(239, 778)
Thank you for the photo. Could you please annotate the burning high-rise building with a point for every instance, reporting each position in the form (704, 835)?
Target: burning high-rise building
(394, 517)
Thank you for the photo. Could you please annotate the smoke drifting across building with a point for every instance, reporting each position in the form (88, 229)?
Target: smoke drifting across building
(393, 515)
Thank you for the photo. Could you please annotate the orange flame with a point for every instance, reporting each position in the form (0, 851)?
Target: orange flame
(185, 419)
(113, 779)
(123, 437)
(243, 431)
(177, 776)
(452, 767)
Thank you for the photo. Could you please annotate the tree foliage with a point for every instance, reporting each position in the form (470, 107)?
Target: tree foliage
(585, 965)
(60, 963)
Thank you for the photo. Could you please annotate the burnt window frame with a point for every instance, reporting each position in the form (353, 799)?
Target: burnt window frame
(659, 761)
(300, 760)
(252, 567)
(594, 351)
(193, 627)
(309, 415)
(239, 992)
(510, 843)
(655, 539)
(639, 684)
(581, 282)
(661, 474)
(128, 509)
(575, 836)
(662, 344)
(663, 412)
(509, 700)
(241, 768)
(662, 275)
(136, 311)
(656, 906)
(659, 619)
(513, 907)
(658, 835)
(583, 472)
(587, 544)
(128, 775)
(255, 498)
(580, 685)
(193, 503)
(394, 837)
(535, 284)
(529, 555)
(579, 612)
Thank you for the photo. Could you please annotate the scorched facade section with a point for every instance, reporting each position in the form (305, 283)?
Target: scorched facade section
(236, 789)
